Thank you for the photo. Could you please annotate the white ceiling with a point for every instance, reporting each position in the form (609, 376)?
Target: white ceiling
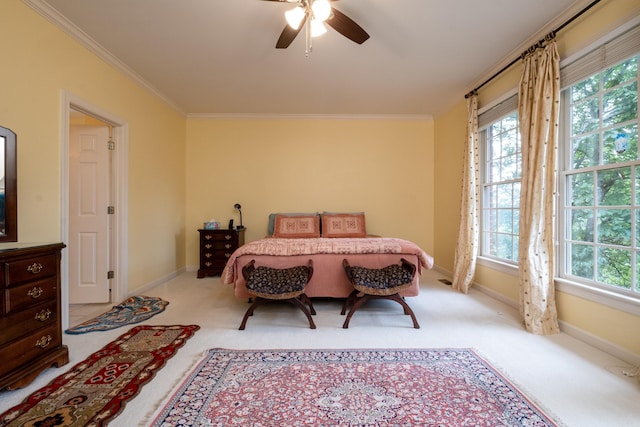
(218, 57)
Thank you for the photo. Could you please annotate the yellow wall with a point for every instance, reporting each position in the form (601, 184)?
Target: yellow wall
(382, 167)
(450, 136)
(39, 61)
(612, 325)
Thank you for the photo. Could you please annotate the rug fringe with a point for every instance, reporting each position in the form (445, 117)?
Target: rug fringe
(528, 395)
(175, 386)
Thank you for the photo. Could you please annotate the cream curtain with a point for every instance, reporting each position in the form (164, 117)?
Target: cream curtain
(467, 245)
(539, 97)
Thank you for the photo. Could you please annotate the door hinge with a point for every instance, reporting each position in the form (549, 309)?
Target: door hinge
(111, 145)
(111, 210)
(111, 274)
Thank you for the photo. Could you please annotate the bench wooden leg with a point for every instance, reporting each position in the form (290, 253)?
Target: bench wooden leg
(305, 310)
(257, 302)
(359, 301)
(356, 305)
(299, 302)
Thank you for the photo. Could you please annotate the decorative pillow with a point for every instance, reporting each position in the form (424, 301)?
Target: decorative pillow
(272, 219)
(343, 225)
(292, 227)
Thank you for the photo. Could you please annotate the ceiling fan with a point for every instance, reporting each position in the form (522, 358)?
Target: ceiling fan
(318, 12)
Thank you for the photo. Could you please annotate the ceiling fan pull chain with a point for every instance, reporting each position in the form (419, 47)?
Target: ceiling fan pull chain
(309, 47)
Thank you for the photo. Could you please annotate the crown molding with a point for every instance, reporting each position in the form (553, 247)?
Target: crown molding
(268, 116)
(56, 18)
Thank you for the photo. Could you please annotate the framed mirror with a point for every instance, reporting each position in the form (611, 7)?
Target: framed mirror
(8, 187)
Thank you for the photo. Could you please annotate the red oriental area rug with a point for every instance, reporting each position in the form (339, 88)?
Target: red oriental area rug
(96, 389)
(415, 387)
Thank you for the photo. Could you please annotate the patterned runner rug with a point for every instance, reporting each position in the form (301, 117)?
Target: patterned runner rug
(133, 310)
(96, 389)
(444, 387)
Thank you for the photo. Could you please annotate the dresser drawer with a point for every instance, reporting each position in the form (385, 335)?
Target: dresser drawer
(24, 296)
(32, 346)
(30, 269)
(27, 321)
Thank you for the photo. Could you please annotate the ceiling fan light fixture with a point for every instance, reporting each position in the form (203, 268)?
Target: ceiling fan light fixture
(321, 9)
(295, 16)
(317, 28)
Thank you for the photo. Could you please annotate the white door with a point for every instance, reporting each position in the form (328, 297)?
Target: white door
(89, 196)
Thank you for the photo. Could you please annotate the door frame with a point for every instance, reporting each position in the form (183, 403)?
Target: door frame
(118, 248)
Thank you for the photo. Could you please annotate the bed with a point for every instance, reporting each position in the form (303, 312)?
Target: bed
(327, 239)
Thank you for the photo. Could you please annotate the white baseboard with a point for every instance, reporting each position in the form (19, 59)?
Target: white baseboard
(597, 342)
(584, 336)
(157, 282)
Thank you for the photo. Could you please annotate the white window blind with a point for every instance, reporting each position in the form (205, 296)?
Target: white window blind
(494, 113)
(614, 51)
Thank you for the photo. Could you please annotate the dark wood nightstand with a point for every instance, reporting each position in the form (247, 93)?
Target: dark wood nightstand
(216, 246)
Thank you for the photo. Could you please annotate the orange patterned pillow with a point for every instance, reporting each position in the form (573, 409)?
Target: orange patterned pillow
(343, 225)
(295, 227)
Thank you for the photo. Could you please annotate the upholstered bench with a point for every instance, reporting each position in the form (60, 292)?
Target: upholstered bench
(268, 284)
(378, 283)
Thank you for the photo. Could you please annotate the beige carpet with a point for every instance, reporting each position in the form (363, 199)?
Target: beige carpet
(580, 385)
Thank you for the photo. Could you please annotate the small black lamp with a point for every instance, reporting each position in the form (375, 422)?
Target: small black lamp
(239, 208)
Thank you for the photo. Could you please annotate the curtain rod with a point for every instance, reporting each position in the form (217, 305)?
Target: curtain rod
(503, 69)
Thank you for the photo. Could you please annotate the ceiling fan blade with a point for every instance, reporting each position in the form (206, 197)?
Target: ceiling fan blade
(347, 26)
(289, 34)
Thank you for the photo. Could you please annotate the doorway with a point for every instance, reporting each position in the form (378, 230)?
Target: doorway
(93, 208)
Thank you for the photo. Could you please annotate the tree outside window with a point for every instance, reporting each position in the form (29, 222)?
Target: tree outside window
(602, 180)
(501, 189)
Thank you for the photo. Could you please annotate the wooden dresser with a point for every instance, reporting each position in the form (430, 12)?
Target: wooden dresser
(216, 246)
(30, 319)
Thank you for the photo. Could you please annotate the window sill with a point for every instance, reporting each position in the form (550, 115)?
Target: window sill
(610, 299)
(503, 267)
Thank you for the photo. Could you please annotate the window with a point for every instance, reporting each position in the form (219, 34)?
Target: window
(502, 172)
(601, 213)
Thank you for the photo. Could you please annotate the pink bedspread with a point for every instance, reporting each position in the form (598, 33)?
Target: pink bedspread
(329, 279)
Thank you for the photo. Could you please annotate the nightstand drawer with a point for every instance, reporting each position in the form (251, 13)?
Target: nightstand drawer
(218, 246)
(220, 236)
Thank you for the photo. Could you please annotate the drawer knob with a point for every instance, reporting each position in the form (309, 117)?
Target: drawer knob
(228, 245)
(208, 246)
(35, 292)
(35, 268)
(44, 341)
(227, 236)
(43, 315)
(208, 236)
(228, 255)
